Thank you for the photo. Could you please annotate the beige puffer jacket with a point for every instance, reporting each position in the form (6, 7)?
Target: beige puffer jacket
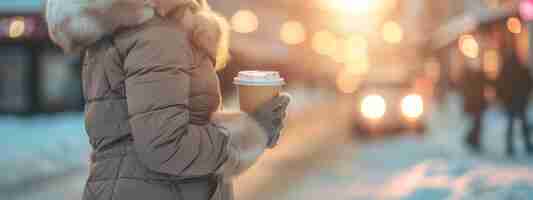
(152, 98)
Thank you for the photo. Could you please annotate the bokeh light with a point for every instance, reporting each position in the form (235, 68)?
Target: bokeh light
(491, 64)
(392, 32)
(526, 9)
(17, 28)
(514, 25)
(293, 32)
(324, 43)
(244, 21)
(347, 82)
(469, 46)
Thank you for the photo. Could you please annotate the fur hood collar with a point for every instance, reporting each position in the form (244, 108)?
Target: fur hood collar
(76, 24)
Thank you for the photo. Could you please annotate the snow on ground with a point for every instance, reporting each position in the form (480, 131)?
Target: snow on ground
(436, 166)
(39, 147)
(439, 167)
(454, 180)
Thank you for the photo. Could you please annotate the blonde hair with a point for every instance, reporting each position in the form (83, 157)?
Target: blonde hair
(207, 30)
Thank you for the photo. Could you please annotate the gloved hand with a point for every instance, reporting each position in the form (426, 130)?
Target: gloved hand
(249, 133)
(271, 117)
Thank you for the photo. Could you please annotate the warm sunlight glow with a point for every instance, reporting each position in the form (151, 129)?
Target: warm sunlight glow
(339, 55)
(392, 32)
(352, 50)
(358, 68)
(469, 46)
(244, 21)
(514, 25)
(357, 41)
(352, 6)
(324, 43)
(293, 32)
(373, 107)
(356, 50)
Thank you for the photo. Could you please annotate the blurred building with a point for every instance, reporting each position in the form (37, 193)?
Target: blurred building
(35, 75)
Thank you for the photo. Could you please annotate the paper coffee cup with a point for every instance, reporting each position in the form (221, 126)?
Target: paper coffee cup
(255, 88)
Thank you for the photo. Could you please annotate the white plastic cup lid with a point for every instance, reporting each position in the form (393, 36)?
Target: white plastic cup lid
(259, 78)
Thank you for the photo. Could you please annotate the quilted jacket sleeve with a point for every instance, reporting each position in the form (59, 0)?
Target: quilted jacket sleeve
(157, 89)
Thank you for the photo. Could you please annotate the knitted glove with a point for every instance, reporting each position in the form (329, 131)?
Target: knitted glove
(271, 117)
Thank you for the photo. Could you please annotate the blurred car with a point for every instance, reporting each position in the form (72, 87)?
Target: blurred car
(390, 102)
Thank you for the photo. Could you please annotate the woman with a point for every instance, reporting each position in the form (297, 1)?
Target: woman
(152, 97)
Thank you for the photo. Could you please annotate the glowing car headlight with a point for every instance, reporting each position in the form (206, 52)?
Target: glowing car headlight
(373, 107)
(412, 106)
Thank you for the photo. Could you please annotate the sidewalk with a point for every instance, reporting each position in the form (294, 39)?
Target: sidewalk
(38, 148)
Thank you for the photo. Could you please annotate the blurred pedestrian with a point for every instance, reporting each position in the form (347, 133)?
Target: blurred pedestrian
(152, 99)
(513, 88)
(473, 85)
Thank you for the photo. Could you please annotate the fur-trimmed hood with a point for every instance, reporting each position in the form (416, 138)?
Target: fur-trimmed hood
(76, 24)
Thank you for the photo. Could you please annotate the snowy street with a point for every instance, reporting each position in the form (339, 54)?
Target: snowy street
(315, 162)
(411, 168)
